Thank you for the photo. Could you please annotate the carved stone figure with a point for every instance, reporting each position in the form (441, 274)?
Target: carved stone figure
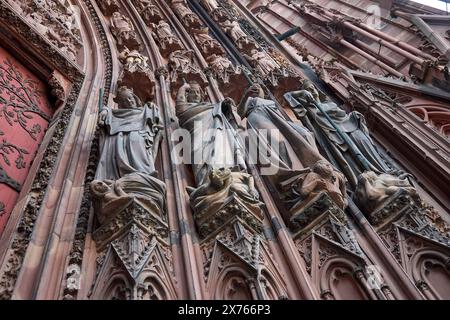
(126, 170)
(206, 43)
(323, 178)
(306, 182)
(352, 125)
(221, 68)
(149, 11)
(123, 30)
(290, 147)
(182, 65)
(189, 18)
(215, 143)
(213, 8)
(166, 39)
(223, 184)
(375, 190)
(266, 66)
(240, 38)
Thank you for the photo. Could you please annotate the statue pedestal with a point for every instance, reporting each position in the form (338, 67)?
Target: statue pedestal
(392, 209)
(132, 216)
(308, 211)
(210, 220)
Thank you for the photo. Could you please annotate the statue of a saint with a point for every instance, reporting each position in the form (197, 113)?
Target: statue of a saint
(289, 146)
(240, 38)
(206, 43)
(123, 30)
(355, 154)
(212, 127)
(164, 35)
(133, 60)
(265, 66)
(126, 170)
(189, 18)
(221, 67)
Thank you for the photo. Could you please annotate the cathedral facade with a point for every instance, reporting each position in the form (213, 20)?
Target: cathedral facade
(224, 149)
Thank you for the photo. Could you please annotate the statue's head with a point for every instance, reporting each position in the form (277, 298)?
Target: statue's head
(126, 99)
(194, 93)
(310, 87)
(323, 168)
(218, 177)
(116, 14)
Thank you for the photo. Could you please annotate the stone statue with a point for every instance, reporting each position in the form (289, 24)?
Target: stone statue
(352, 125)
(323, 178)
(181, 64)
(149, 11)
(265, 66)
(222, 184)
(240, 38)
(126, 171)
(186, 15)
(122, 29)
(215, 143)
(206, 43)
(375, 190)
(164, 35)
(297, 169)
(221, 67)
(291, 146)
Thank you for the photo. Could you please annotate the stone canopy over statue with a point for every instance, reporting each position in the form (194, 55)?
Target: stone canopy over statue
(126, 172)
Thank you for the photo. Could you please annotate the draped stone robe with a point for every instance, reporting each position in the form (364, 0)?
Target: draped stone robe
(128, 143)
(215, 141)
(296, 150)
(354, 126)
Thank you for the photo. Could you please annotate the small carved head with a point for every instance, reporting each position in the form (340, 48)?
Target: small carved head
(126, 99)
(194, 93)
(218, 177)
(323, 168)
